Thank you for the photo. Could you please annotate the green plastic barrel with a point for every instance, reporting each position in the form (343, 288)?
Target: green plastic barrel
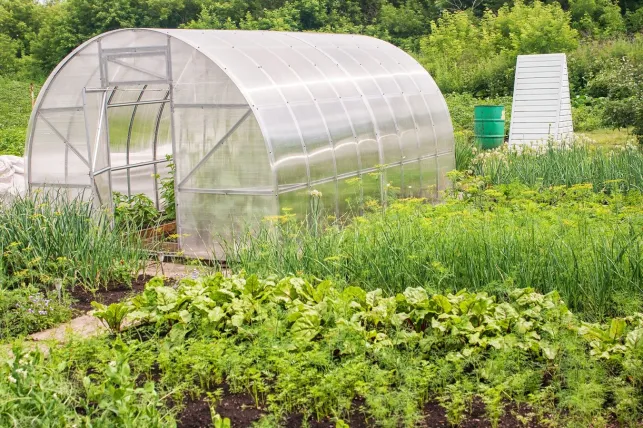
(489, 126)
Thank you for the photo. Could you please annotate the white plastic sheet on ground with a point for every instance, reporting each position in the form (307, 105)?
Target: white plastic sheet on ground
(12, 176)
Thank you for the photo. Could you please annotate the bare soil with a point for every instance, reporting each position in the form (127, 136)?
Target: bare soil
(111, 294)
(243, 412)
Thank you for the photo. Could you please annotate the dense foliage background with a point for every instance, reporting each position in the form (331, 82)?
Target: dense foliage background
(469, 46)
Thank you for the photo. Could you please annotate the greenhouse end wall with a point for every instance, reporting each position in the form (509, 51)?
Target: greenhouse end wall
(256, 121)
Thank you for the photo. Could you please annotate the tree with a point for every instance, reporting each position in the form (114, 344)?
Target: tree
(8, 52)
(531, 29)
(464, 53)
(620, 85)
(21, 21)
(597, 17)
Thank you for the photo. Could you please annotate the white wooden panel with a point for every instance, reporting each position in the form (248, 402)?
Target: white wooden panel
(552, 97)
(529, 73)
(542, 91)
(541, 107)
(541, 68)
(538, 85)
(531, 128)
(541, 118)
(531, 103)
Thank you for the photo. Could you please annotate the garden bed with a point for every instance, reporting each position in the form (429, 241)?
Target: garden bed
(115, 292)
(242, 412)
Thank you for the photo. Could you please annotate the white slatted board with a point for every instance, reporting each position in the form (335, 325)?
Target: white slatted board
(541, 107)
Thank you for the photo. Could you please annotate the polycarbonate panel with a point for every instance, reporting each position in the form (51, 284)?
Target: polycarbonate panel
(446, 163)
(408, 136)
(295, 203)
(429, 174)
(48, 160)
(321, 156)
(290, 160)
(66, 84)
(394, 179)
(126, 94)
(239, 164)
(426, 128)
(141, 137)
(440, 115)
(96, 123)
(209, 221)
(350, 197)
(342, 136)
(412, 180)
(367, 144)
(60, 154)
(120, 120)
(135, 67)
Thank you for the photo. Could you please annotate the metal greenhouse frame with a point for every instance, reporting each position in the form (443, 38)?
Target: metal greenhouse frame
(254, 120)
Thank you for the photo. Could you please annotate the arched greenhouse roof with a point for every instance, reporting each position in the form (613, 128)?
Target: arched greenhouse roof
(255, 121)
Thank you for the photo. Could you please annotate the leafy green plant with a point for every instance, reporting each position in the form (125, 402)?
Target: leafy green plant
(35, 393)
(137, 211)
(113, 316)
(324, 350)
(456, 403)
(118, 401)
(27, 310)
(218, 421)
(483, 238)
(167, 192)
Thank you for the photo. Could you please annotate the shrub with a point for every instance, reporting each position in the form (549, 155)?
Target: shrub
(621, 84)
(587, 113)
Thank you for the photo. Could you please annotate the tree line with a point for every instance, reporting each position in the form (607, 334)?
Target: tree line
(35, 36)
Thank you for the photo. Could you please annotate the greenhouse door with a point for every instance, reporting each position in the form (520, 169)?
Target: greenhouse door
(128, 123)
(94, 106)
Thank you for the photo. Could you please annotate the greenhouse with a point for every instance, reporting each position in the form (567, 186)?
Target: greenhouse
(257, 124)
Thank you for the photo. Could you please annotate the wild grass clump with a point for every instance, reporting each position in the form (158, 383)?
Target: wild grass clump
(465, 150)
(46, 239)
(588, 246)
(564, 164)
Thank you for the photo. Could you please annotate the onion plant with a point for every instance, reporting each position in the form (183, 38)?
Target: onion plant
(567, 164)
(46, 238)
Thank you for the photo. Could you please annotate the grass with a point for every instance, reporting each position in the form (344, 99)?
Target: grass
(15, 109)
(609, 137)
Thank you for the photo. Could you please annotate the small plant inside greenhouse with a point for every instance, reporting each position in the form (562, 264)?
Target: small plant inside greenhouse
(311, 213)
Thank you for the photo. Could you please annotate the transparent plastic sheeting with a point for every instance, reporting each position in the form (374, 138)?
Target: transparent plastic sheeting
(255, 122)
